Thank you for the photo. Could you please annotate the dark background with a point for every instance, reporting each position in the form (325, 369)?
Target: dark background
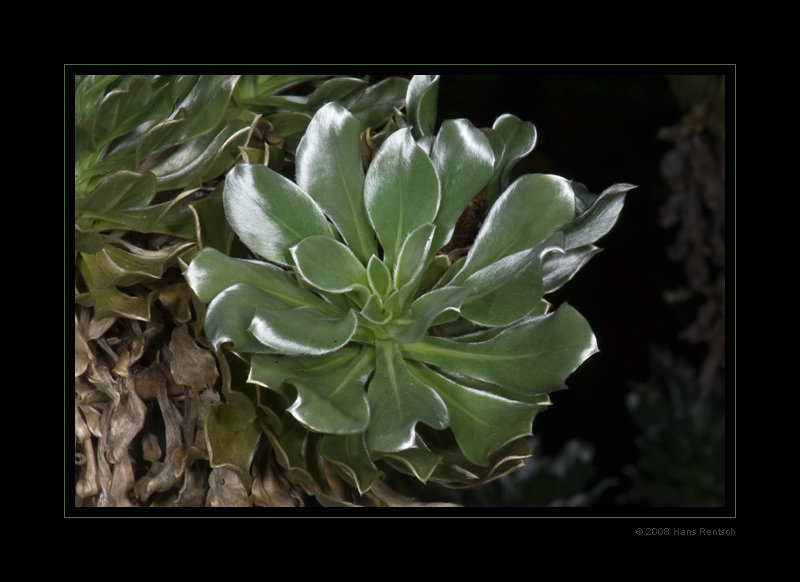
(602, 128)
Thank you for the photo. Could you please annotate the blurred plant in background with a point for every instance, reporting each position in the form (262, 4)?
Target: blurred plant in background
(682, 440)
(681, 409)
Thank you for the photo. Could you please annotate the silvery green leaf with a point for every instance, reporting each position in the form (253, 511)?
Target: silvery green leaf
(302, 330)
(350, 456)
(230, 314)
(329, 265)
(334, 404)
(401, 192)
(380, 102)
(507, 290)
(583, 198)
(344, 90)
(533, 207)
(534, 356)
(270, 213)
(211, 272)
(519, 139)
(374, 311)
(118, 191)
(482, 422)
(598, 219)
(417, 460)
(331, 395)
(398, 401)
(464, 162)
(206, 156)
(559, 268)
(421, 101)
(119, 112)
(412, 326)
(329, 169)
(379, 276)
(412, 259)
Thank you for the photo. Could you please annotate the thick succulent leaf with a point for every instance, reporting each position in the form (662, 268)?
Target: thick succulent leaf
(417, 460)
(117, 113)
(232, 433)
(375, 312)
(412, 259)
(532, 357)
(116, 267)
(559, 268)
(412, 326)
(379, 276)
(271, 371)
(398, 401)
(206, 102)
(380, 101)
(197, 105)
(329, 265)
(166, 218)
(150, 139)
(519, 139)
(118, 191)
(87, 241)
(422, 97)
(286, 124)
(506, 290)
(435, 274)
(290, 443)
(482, 422)
(598, 220)
(302, 330)
(509, 289)
(350, 456)
(344, 90)
(88, 94)
(230, 314)
(335, 402)
(464, 161)
(329, 169)
(401, 192)
(270, 213)
(211, 272)
(255, 91)
(206, 156)
(532, 208)
(330, 394)
(463, 474)
(212, 228)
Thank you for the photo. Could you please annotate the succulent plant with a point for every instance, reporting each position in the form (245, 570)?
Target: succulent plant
(150, 151)
(353, 343)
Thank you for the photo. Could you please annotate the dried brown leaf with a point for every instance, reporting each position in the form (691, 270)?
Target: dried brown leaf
(227, 490)
(190, 364)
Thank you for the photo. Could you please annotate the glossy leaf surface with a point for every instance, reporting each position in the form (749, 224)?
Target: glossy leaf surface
(398, 401)
(302, 330)
(329, 170)
(329, 265)
(531, 357)
(464, 161)
(512, 226)
(369, 348)
(401, 192)
(270, 213)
